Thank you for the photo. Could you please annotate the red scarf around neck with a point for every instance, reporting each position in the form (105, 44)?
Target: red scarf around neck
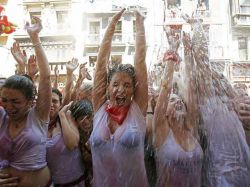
(117, 113)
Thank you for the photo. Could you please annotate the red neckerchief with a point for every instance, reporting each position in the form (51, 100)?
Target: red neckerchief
(117, 113)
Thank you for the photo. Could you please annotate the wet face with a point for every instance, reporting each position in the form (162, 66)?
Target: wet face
(55, 105)
(85, 123)
(121, 89)
(177, 104)
(15, 103)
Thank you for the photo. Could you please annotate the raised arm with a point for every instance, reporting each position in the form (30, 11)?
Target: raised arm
(71, 67)
(20, 57)
(200, 54)
(190, 79)
(141, 90)
(100, 77)
(69, 128)
(44, 90)
(32, 68)
(160, 126)
(83, 73)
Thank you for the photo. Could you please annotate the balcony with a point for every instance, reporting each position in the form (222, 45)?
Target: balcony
(202, 14)
(241, 19)
(240, 69)
(93, 39)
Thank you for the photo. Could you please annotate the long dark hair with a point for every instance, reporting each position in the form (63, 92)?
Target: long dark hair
(81, 108)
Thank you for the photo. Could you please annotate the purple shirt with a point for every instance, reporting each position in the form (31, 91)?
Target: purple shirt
(65, 165)
(118, 159)
(227, 157)
(27, 151)
(177, 167)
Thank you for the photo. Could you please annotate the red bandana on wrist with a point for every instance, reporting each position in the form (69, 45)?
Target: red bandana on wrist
(117, 113)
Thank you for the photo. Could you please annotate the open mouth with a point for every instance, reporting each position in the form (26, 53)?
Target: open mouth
(178, 107)
(11, 113)
(120, 100)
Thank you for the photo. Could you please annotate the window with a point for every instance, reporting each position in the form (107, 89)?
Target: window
(94, 31)
(242, 42)
(118, 32)
(36, 14)
(92, 61)
(62, 20)
(134, 30)
(118, 28)
(173, 3)
(116, 59)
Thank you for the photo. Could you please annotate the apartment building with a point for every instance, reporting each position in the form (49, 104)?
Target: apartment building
(240, 34)
(75, 28)
(96, 17)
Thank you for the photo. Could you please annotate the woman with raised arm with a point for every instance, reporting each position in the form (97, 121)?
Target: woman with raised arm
(227, 155)
(117, 139)
(20, 57)
(178, 154)
(23, 128)
(63, 151)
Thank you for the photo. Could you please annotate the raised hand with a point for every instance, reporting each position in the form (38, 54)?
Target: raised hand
(19, 56)
(72, 65)
(83, 72)
(35, 28)
(65, 108)
(186, 40)
(194, 22)
(117, 16)
(32, 66)
(173, 39)
(140, 19)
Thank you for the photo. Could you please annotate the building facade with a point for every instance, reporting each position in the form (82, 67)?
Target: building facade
(240, 32)
(75, 28)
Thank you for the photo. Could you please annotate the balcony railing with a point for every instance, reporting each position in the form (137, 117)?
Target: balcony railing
(173, 14)
(117, 38)
(241, 69)
(242, 19)
(93, 39)
(202, 13)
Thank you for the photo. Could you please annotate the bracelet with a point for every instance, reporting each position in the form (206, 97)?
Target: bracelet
(37, 44)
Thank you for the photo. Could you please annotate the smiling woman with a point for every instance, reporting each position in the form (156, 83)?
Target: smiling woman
(117, 139)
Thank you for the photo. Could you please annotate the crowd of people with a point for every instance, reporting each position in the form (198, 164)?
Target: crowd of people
(116, 132)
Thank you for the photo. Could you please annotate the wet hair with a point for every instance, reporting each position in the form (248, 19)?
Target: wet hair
(86, 87)
(23, 84)
(57, 92)
(81, 108)
(124, 68)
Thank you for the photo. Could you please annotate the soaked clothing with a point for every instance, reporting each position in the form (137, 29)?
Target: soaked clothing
(118, 159)
(149, 160)
(65, 165)
(227, 157)
(177, 167)
(27, 151)
(86, 156)
(247, 132)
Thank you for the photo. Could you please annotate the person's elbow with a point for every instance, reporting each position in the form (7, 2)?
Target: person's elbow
(73, 143)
